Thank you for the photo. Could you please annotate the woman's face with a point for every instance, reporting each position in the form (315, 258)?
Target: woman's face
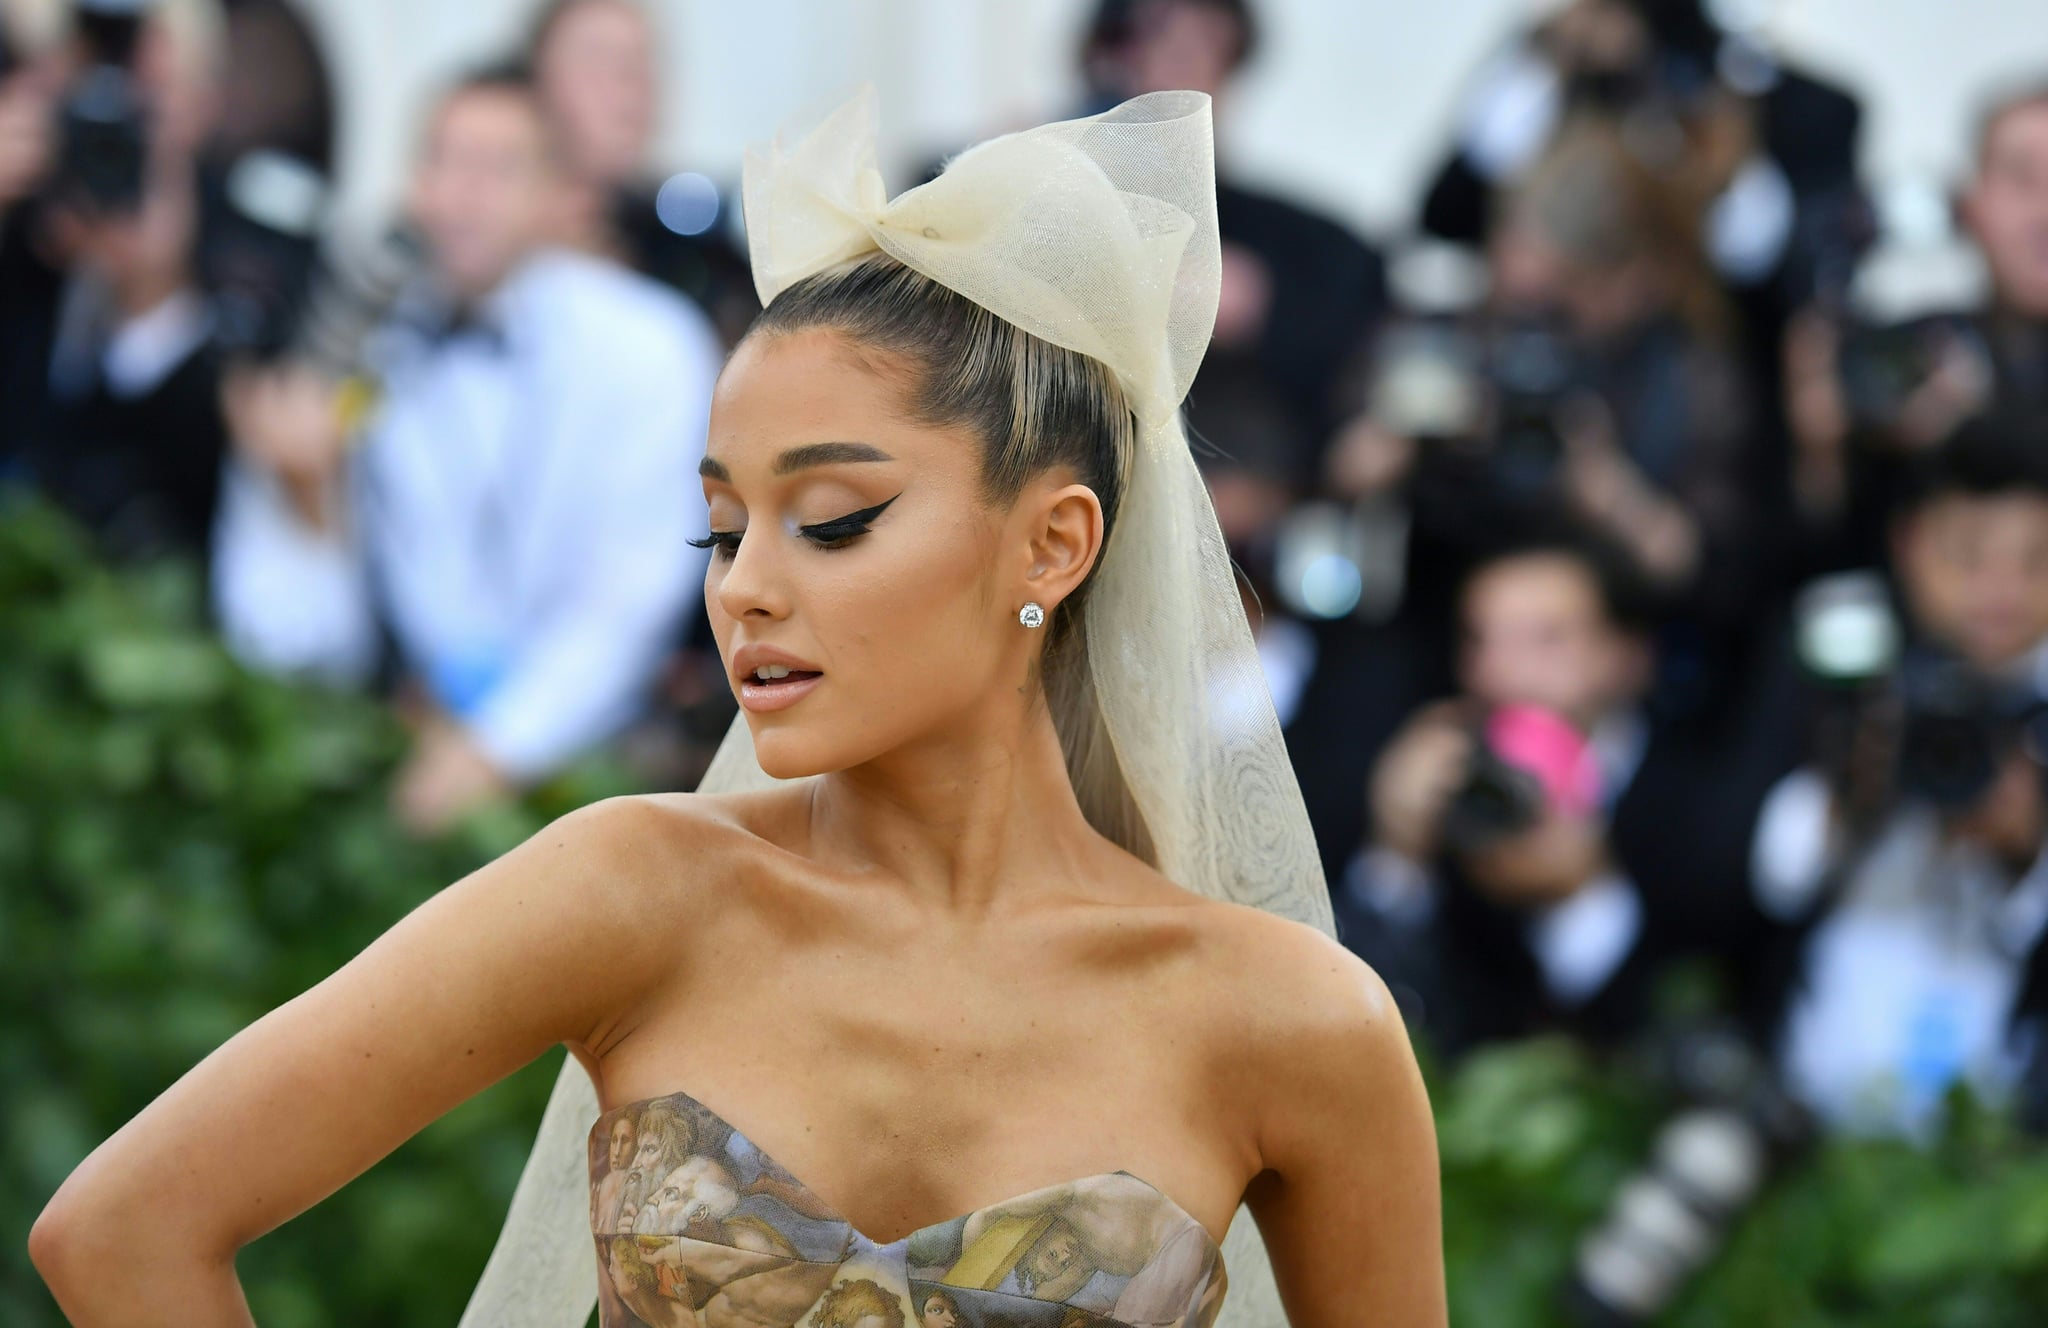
(908, 618)
(622, 1143)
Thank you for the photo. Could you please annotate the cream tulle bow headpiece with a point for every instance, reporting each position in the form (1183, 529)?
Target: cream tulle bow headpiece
(1098, 235)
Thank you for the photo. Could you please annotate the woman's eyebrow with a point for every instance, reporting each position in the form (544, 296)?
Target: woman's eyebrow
(800, 458)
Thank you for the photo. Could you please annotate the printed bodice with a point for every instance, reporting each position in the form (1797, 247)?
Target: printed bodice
(696, 1227)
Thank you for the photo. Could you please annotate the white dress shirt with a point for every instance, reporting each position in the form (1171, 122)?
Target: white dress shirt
(1581, 940)
(516, 510)
(1910, 977)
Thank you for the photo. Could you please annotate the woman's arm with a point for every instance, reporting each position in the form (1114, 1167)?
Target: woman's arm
(1349, 1202)
(545, 944)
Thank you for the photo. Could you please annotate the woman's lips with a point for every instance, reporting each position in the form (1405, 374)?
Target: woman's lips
(761, 697)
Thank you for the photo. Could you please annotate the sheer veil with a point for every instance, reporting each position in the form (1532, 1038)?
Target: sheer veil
(1097, 234)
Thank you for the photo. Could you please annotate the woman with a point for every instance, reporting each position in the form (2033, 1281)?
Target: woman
(975, 968)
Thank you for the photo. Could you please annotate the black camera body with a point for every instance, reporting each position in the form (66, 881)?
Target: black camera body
(1534, 369)
(1950, 726)
(1497, 799)
(1492, 394)
(103, 122)
(1956, 729)
(1881, 365)
(259, 252)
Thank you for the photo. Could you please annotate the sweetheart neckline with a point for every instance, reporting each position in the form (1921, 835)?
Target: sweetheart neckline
(837, 1216)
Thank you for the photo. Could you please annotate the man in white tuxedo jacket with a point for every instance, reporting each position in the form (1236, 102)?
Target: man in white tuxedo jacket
(504, 530)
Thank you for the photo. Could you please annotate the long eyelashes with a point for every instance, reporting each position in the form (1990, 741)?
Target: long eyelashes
(834, 534)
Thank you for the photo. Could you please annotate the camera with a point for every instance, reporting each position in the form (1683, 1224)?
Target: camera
(103, 120)
(1525, 759)
(1494, 394)
(1951, 725)
(1958, 729)
(259, 250)
(1534, 370)
(276, 289)
(1497, 799)
(1708, 1162)
(1881, 366)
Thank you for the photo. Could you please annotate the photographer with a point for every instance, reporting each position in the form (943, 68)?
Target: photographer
(1905, 863)
(1597, 387)
(30, 83)
(112, 378)
(1298, 288)
(1539, 840)
(502, 535)
(1861, 400)
(1781, 161)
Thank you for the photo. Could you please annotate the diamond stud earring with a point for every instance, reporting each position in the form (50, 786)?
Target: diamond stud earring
(1031, 615)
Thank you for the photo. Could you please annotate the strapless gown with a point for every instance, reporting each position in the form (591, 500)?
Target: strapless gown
(696, 1226)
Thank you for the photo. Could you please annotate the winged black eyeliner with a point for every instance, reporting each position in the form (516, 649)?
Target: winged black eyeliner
(860, 518)
(853, 523)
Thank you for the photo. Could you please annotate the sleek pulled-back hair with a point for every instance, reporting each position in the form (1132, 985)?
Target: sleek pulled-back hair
(1034, 406)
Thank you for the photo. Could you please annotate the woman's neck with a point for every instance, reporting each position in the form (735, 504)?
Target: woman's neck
(972, 819)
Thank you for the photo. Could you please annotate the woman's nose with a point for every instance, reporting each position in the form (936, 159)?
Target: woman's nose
(752, 584)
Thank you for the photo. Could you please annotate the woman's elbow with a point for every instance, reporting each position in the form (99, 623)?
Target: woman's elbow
(73, 1242)
(55, 1244)
(79, 1235)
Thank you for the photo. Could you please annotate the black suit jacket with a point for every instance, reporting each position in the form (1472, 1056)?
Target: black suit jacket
(1328, 289)
(29, 291)
(143, 473)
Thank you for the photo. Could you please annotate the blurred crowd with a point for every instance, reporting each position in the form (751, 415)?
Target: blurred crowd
(1657, 630)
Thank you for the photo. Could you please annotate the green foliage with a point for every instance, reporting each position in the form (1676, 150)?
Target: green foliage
(184, 846)
(1884, 1234)
(1535, 1137)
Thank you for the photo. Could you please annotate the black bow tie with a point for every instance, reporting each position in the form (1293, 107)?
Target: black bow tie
(470, 328)
(439, 327)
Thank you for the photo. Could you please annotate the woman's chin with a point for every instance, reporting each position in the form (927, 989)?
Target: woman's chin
(788, 756)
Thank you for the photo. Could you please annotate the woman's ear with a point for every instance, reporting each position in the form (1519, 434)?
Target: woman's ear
(1064, 539)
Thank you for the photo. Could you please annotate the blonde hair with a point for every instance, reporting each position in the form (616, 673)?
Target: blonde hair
(1593, 197)
(1034, 406)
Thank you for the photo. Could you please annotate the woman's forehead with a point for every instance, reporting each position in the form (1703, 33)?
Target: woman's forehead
(809, 352)
(784, 392)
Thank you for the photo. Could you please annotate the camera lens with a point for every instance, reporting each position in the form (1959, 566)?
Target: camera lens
(1497, 799)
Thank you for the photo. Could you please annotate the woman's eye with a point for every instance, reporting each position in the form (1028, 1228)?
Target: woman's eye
(834, 534)
(838, 533)
(728, 542)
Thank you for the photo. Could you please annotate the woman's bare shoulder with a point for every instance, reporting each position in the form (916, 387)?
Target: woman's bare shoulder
(677, 849)
(1273, 972)
(637, 889)
(1319, 1070)
(1290, 977)
(1311, 1020)
(764, 814)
